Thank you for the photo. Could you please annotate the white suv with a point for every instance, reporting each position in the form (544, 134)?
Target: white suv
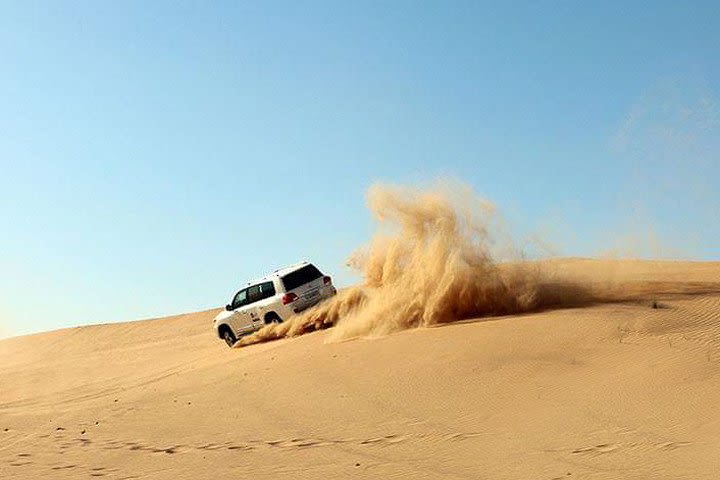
(273, 298)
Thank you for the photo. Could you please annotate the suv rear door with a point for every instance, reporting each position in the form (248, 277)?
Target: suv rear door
(262, 297)
(305, 282)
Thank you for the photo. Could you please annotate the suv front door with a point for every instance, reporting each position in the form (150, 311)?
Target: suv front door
(240, 321)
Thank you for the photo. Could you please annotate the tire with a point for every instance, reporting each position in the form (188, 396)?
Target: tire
(229, 337)
(272, 317)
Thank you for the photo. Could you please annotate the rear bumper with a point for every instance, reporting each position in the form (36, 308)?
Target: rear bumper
(325, 293)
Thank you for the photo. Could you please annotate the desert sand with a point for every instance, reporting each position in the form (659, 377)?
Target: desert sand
(610, 389)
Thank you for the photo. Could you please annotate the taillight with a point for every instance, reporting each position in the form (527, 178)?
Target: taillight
(327, 280)
(289, 298)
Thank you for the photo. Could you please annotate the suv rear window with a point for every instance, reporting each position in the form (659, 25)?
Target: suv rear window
(299, 277)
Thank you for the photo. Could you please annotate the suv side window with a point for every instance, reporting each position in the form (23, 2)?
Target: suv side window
(240, 299)
(267, 290)
(254, 294)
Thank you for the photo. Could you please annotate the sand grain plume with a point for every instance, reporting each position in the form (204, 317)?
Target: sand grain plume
(438, 256)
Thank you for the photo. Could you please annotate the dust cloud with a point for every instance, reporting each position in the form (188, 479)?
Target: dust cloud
(439, 255)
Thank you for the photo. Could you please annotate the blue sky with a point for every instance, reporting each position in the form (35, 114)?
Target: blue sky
(154, 155)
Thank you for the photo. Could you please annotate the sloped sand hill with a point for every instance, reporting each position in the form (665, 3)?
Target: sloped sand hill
(610, 389)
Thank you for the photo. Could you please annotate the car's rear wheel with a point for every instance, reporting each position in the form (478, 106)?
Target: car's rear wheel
(272, 317)
(229, 337)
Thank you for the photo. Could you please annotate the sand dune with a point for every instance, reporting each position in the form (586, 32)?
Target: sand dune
(608, 390)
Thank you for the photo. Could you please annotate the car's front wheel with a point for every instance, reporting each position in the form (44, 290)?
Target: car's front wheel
(229, 337)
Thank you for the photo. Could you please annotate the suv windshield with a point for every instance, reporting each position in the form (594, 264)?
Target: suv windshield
(299, 277)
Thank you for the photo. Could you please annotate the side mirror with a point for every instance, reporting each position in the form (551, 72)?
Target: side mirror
(228, 307)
